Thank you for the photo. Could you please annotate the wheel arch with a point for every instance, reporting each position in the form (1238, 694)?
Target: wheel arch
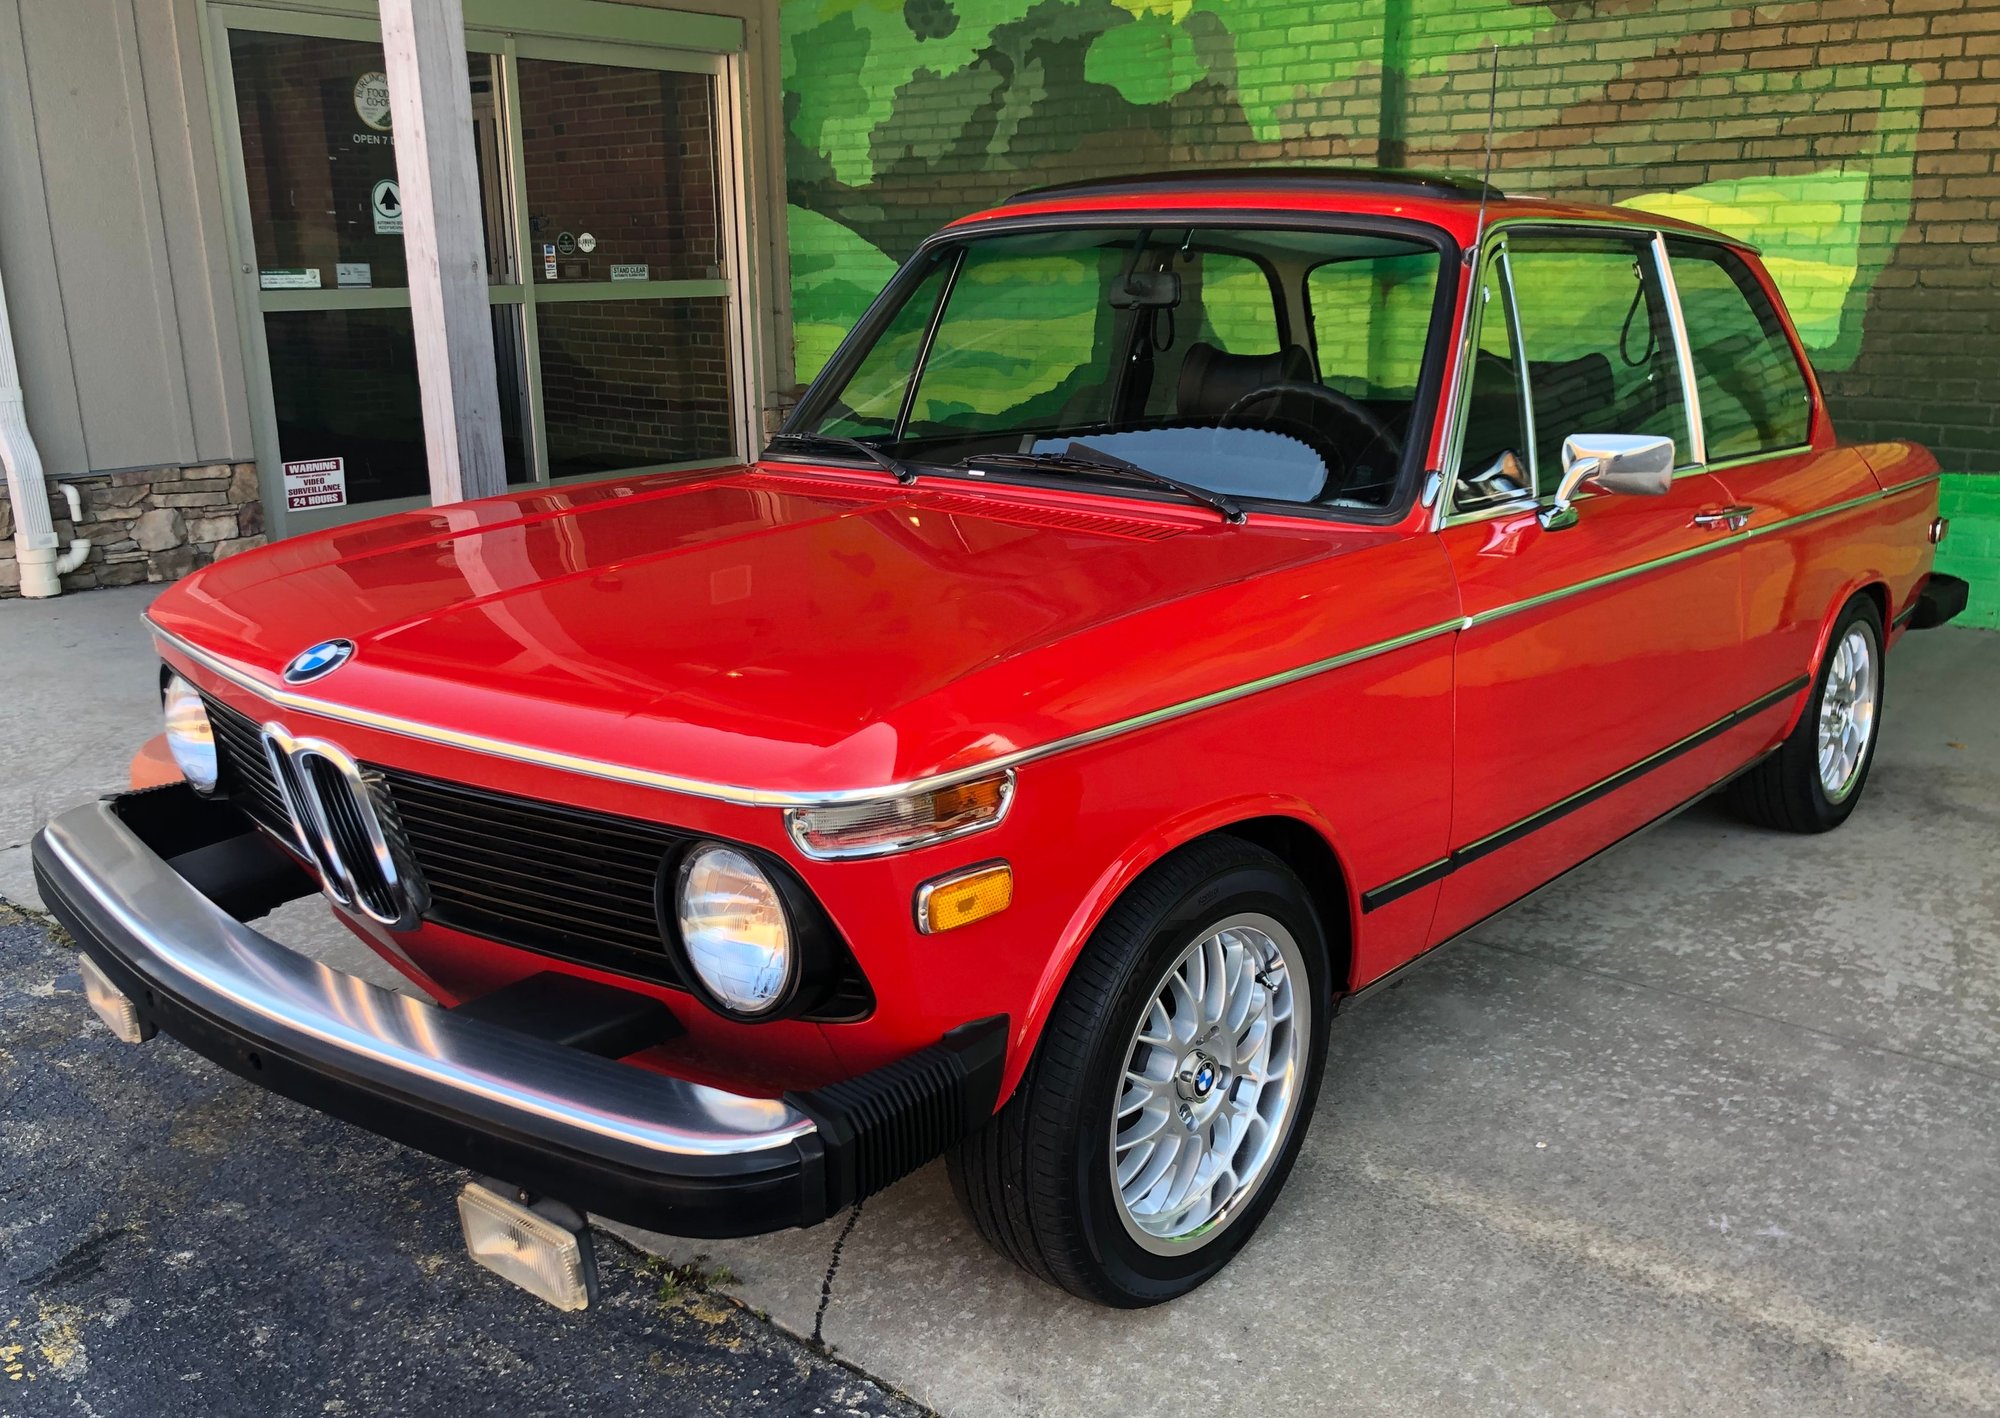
(1871, 584)
(1286, 827)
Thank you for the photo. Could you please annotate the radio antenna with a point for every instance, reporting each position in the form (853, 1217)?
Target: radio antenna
(1486, 177)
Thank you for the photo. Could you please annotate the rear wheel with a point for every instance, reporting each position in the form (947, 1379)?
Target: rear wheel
(1816, 776)
(1171, 1089)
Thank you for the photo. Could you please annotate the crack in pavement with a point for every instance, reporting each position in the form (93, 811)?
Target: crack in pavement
(832, 1269)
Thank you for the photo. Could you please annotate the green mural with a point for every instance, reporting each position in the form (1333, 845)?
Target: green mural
(904, 113)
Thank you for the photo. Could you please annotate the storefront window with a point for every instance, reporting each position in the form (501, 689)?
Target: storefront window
(621, 175)
(632, 383)
(344, 389)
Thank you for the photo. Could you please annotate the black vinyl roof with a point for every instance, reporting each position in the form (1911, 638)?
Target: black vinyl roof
(1443, 186)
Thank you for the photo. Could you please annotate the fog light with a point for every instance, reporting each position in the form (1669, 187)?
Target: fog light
(109, 1003)
(544, 1249)
(964, 897)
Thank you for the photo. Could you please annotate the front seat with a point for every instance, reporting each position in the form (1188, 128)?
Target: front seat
(1212, 379)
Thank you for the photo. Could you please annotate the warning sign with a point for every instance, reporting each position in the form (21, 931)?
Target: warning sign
(386, 201)
(315, 482)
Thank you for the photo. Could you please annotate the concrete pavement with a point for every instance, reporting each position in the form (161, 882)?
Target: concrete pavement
(1709, 1127)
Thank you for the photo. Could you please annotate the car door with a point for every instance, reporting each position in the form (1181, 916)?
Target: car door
(1596, 652)
(1778, 463)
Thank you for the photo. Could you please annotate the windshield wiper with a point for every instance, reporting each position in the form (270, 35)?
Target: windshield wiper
(1081, 458)
(904, 473)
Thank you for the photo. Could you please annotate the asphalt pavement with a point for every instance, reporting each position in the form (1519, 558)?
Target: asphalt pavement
(174, 1242)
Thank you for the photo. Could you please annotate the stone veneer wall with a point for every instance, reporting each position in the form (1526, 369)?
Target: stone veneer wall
(148, 524)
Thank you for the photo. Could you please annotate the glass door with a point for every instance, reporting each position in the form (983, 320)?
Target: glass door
(607, 219)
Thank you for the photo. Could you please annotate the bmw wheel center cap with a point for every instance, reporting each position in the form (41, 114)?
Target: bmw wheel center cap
(316, 661)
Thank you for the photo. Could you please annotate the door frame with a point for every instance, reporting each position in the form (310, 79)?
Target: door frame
(584, 31)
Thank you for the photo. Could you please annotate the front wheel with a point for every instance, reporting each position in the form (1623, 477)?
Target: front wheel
(1171, 1088)
(1814, 779)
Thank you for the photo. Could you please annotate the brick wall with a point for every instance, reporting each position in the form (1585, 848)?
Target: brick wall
(1856, 140)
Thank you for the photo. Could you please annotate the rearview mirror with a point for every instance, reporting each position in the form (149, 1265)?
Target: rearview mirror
(1609, 462)
(1147, 290)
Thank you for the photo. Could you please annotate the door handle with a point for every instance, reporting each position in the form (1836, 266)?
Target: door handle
(1734, 517)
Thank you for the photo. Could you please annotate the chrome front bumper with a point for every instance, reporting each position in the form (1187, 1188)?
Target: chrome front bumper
(625, 1142)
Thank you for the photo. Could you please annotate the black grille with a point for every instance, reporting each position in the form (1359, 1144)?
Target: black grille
(557, 880)
(548, 878)
(245, 773)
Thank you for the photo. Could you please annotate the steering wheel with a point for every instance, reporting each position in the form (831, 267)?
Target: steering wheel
(1371, 428)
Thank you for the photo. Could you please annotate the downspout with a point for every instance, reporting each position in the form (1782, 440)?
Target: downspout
(42, 568)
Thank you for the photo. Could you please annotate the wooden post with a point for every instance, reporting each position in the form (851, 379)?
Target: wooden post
(444, 242)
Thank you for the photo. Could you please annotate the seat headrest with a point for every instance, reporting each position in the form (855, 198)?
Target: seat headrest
(1212, 379)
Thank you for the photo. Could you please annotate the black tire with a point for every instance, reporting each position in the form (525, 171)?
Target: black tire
(1785, 790)
(1036, 1181)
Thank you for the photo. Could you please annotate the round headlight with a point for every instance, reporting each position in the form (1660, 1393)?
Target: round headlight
(189, 737)
(734, 929)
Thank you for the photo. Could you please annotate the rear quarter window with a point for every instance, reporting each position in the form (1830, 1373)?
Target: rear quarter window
(1754, 396)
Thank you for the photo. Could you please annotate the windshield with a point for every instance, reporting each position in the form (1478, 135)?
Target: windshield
(1270, 364)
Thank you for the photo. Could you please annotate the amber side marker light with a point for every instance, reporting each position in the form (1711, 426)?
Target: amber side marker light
(964, 897)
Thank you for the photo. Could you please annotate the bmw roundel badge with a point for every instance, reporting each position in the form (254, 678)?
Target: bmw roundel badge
(317, 661)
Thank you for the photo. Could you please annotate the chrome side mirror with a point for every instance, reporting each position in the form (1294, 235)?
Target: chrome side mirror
(1609, 462)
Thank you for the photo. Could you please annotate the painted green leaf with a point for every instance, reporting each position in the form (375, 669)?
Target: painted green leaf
(1148, 61)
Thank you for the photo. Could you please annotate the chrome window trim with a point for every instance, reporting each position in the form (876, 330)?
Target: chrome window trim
(1445, 513)
(1683, 359)
(1459, 387)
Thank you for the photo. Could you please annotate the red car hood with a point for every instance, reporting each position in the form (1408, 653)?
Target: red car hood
(790, 632)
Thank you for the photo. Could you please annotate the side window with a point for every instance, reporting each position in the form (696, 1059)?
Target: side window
(1371, 318)
(1754, 397)
(1598, 343)
(1493, 456)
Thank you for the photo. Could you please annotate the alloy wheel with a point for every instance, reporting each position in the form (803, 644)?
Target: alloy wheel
(1211, 1083)
(1847, 712)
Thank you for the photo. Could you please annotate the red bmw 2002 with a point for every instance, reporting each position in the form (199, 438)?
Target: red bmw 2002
(1145, 634)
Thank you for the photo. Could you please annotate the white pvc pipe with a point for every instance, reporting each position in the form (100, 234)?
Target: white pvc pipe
(79, 547)
(34, 533)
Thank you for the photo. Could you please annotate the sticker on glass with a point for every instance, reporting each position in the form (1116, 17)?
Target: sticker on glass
(565, 245)
(289, 278)
(312, 483)
(371, 100)
(353, 273)
(586, 243)
(386, 202)
(630, 273)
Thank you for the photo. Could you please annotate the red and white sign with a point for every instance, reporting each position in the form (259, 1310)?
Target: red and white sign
(315, 482)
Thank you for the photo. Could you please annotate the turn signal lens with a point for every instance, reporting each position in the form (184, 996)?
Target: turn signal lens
(964, 897)
(873, 829)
